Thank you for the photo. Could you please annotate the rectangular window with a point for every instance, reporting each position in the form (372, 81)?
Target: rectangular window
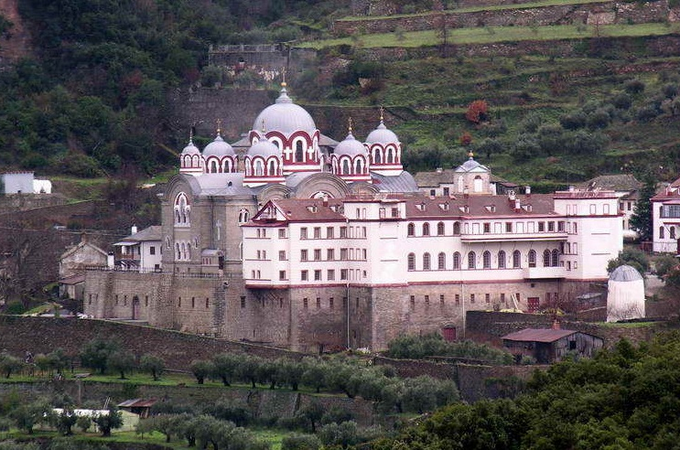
(317, 254)
(541, 226)
(427, 300)
(331, 275)
(593, 209)
(343, 274)
(457, 299)
(304, 275)
(472, 298)
(317, 232)
(487, 298)
(282, 233)
(303, 233)
(305, 302)
(446, 191)
(363, 254)
(317, 275)
(551, 226)
(508, 227)
(395, 212)
(243, 301)
(343, 232)
(282, 255)
(412, 301)
(152, 250)
(329, 232)
(502, 298)
(303, 255)
(330, 254)
(343, 254)
(441, 298)
(330, 303)
(318, 303)
(487, 227)
(282, 275)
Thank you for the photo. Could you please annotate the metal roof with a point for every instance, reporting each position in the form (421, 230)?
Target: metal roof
(538, 335)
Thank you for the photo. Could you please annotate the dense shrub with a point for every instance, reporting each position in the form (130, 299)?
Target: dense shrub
(418, 347)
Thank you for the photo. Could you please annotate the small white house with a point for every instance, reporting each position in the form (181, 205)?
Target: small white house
(141, 251)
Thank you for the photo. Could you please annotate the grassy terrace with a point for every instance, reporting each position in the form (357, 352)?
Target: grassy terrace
(480, 8)
(490, 35)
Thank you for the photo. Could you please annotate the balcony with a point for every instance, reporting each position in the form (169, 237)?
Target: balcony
(535, 273)
(510, 237)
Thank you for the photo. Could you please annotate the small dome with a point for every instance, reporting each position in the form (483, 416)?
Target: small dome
(350, 146)
(382, 135)
(625, 273)
(191, 149)
(264, 148)
(471, 166)
(218, 147)
(285, 116)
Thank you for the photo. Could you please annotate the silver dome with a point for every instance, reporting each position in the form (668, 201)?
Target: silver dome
(285, 116)
(218, 147)
(382, 135)
(263, 148)
(625, 273)
(350, 146)
(191, 149)
(471, 166)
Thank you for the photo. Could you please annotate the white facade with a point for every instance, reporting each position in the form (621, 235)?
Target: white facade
(378, 242)
(666, 219)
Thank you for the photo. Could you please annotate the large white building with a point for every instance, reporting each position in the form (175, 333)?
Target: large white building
(295, 240)
(666, 219)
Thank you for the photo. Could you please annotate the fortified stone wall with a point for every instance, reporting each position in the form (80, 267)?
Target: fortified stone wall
(594, 13)
(387, 7)
(43, 335)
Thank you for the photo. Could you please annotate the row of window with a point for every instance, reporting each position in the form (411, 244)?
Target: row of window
(497, 227)
(331, 302)
(671, 232)
(346, 254)
(345, 232)
(550, 259)
(193, 301)
(183, 251)
(317, 275)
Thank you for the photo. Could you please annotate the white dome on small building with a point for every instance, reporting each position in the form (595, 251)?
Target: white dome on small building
(190, 160)
(382, 135)
(626, 294)
(384, 150)
(219, 147)
(350, 160)
(350, 146)
(264, 148)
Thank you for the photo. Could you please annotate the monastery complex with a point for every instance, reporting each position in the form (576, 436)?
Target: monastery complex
(292, 239)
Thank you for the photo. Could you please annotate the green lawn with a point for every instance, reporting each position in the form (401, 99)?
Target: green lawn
(539, 4)
(489, 35)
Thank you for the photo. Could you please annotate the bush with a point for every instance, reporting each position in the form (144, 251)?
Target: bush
(526, 147)
(477, 111)
(622, 101)
(634, 86)
(298, 441)
(573, 121)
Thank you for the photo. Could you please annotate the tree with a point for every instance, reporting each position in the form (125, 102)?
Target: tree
(226, 365)
(296, 441)
(58, 361)
(202, 369)
(110, 421)
(248, 370)
(122, 361)
(9, 364)
(641, 220)
(27, 416)
(95, 354)
(314, 373)
(312, 412)
(477, 111)
(343, 434)
(65, 421)
(152, 364)
(84, 423)
(631, 257)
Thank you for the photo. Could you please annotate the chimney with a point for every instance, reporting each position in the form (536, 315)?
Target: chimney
(325, 199)
(518, 205)
(528, 191)
(83, 237)
(571, 188)
(133, 230)
(556, 324)
(466, 192)
(110, 260)
(439, 170)
(511, 195)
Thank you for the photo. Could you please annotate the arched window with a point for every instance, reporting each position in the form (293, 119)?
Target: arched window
(472, 260)
(532, 258)
(377, 156)
(662, 235)
(259, 168)
(243, 216)
(501, 259)
(389, 158)
(359, 166)
(182, 209)
(516, 259)
(426, 261)
(184, 251)
(546, 258)
(441, 261)
(226, 164)
(411, 261)
(299, 152)
(345, 167)
(486, 259)
(178, 252)
(213, 166)
(440, 229)
(477, 184)
(271, 167)
(411, 229)
(456, 261)
(426, 229)
(456, 228)
(555, 258)
(249, 169)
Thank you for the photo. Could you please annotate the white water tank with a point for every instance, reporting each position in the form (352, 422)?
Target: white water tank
(626, 297)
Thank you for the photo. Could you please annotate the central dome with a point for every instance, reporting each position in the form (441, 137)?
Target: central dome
(285, 116)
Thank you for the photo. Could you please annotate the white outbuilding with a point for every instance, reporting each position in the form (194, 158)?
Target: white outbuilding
(626, 298)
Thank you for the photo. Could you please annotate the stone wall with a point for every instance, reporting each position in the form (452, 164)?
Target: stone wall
(43, 335)
(594, 13)
(264, 404)
(387, 7)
